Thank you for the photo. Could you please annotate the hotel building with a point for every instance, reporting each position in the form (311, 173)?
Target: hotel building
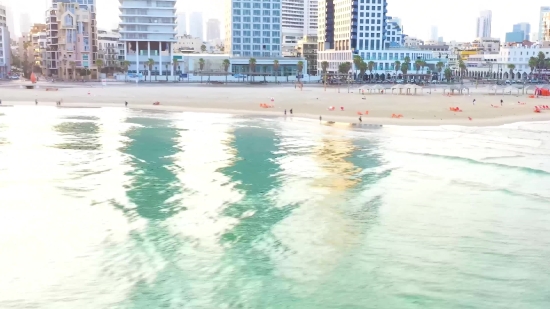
(253, 28)
(362, 27)
(298, 20)
(147, 29)
(71, 37)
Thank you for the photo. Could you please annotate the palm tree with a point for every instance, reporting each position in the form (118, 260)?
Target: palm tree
(397, 65)
(201, 66)
(72, 64)
(252, 67)
(357, 62)
(363, 66)
(407, 60)
(344, 68)
(540, 62)
(150, 63)
(423, 64)
(125, 65)
(462, 68)
(448, 74)
(324, 67)
(417, 65)
(226, 65)
(203, 48)
(276, 68)
(371, 65)
(404, 68)
(99, 64)
(439, 66)
(511, 67)
(533, 63)
(300, 68)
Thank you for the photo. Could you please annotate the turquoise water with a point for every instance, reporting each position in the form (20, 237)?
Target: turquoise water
(113, 208)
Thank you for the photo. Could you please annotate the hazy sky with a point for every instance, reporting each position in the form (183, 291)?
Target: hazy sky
(454, 19)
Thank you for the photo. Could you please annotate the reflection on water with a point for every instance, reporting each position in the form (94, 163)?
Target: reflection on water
(154, 184)
(114, 208)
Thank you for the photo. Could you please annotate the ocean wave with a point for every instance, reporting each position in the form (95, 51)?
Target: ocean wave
(472, 161)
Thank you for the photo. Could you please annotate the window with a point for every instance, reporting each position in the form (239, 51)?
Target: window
(246, 33)
(246, 26)
(236, 33)
(256, 40)
(236, 26)
(236, 47)
(256, 26)
(256, 19)
(236, 40)
(267, 12)
(236, 12)
(265, 26)
(246, 20)
(236, 19)
(256, 33)
(266, 20)
(266, 33)
(246, 5)
(246, 12)
(257, 12)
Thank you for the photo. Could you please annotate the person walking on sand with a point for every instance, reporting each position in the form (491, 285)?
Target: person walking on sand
(285, 112)
(360, 120)
(291, 111)
(500, 102)
(474, 102)
(320, 118)
(126, 103)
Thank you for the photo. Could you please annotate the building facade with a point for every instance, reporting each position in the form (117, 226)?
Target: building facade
(253, 28)
(196, 25)
(212, 30)
(181, 24)
(525, 27)
(362, 27)
(71, 36)
(5, 52)
(110, 49)
(514, 37)
(298, 19)
(147, 30)
(543, 10)
(307, 48)
(483, 26)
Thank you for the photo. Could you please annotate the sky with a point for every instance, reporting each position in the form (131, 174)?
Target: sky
(455, 20)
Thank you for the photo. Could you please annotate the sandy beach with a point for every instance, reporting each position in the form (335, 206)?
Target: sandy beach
(310, 102)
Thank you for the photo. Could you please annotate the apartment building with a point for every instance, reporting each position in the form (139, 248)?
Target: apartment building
(298, 19)
(110, 49)
(148, 31)
(253, 28)
(362, 27)
(212, 30)
(72, 39)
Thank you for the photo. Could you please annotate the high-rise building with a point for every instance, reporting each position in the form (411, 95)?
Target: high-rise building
(525, 27)
(298, 20)
(253, 28)
(24, 22)
(182, 24)
(483, 27)
(347, 29)
(5, 49)
(147, 28)
(9, 20)
(434, 37)
(543, 10)
(196, 25)
(72, 39)
(212, 30)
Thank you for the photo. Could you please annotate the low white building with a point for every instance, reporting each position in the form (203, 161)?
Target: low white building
(187, 44)
(410, 41)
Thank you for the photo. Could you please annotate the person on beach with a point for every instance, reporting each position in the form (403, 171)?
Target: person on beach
(126, 103)
(291, 111)
(35, 102)
(360, 120)
(320, 118)
(474, 102)
(285, 112)
(500, 102)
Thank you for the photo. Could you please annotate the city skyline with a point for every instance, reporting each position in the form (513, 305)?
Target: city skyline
(414, 25)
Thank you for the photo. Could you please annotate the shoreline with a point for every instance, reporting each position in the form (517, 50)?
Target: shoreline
(311, 103)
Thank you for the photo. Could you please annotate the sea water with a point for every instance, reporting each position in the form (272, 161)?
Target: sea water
(116, 208)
